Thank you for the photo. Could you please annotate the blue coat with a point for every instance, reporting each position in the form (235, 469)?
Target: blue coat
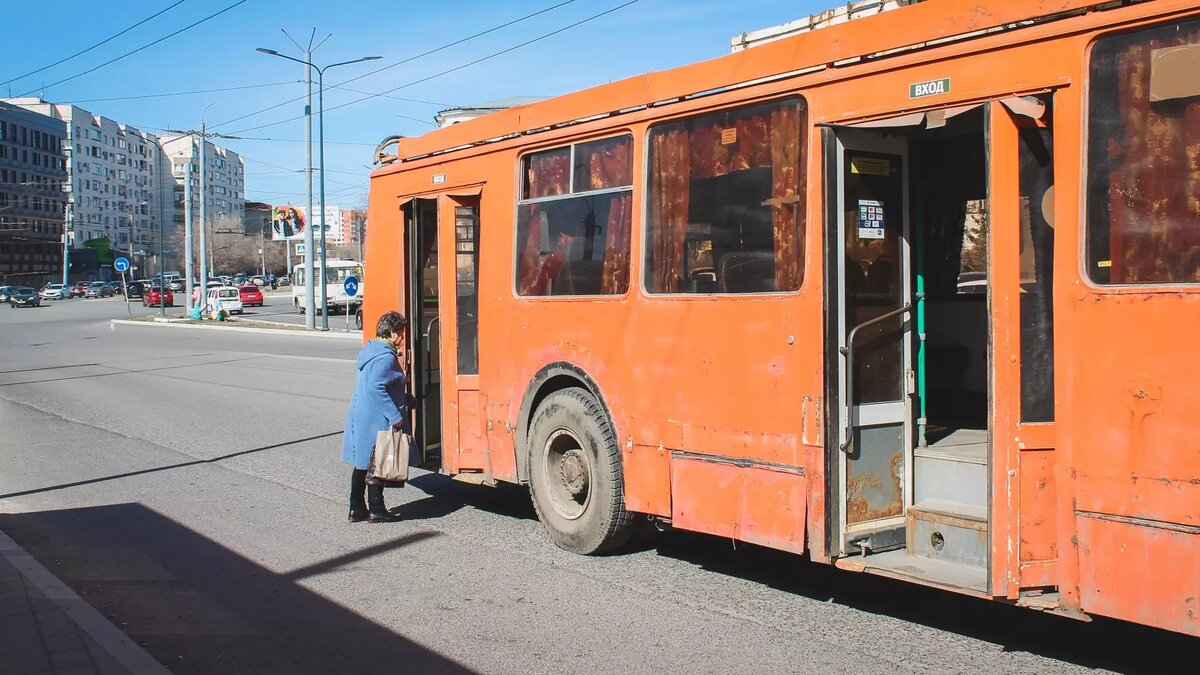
(380, 400)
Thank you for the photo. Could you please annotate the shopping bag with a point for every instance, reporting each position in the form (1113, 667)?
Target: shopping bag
(389, 459)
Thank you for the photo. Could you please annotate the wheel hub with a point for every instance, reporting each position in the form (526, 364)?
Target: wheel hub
(573, 468)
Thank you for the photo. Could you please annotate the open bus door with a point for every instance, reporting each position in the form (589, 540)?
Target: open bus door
(421, 257)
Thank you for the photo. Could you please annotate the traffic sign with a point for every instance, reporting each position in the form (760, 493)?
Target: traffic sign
(351, 286)
(121, 264)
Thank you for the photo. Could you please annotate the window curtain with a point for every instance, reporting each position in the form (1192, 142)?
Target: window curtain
(670, 186)
(610, 165)
(547, 174)
(615, 275)
(531, 254)
(787, 196)
(1155, 186)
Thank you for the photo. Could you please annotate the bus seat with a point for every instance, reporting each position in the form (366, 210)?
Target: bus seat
(747, 272)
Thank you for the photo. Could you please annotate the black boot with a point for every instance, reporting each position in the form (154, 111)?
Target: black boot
(358, 500)
(378, 512)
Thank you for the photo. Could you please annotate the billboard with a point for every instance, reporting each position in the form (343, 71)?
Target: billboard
(287, 223)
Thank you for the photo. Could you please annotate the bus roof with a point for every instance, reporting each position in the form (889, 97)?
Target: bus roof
(917, 26)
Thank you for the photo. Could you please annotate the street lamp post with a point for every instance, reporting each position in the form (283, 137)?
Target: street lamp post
(321, 164)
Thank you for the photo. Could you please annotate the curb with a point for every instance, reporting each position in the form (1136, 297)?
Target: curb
(89, 620)
(240, 329)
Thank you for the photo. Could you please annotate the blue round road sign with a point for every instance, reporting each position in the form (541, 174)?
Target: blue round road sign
(121, 264)
(351, 285)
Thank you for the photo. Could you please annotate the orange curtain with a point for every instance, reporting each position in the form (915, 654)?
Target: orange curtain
(1155, 182)
(527, 274)
(670, 186)
(615, 275)
(547, 173)
(787, 195)
(610, 165)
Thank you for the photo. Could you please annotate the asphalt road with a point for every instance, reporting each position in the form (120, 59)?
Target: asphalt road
(187, 483)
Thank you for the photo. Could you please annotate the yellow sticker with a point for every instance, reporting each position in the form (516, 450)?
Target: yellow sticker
(870, 166)
(1103, 263)
(728, 136)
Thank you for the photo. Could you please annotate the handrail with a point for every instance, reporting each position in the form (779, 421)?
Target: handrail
(847, 351)
(428, 355)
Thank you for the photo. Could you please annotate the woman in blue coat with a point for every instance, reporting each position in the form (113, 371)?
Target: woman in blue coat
(380, 402)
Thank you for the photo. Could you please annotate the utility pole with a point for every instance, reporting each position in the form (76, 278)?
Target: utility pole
(187, 226)
(67, 246)
(309, 276)
(203, 214)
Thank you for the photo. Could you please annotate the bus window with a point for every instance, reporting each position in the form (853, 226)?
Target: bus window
(726, 201)
(576, 241)
(1143, 119)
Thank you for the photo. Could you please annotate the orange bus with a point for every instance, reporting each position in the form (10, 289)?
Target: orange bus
(911, 295)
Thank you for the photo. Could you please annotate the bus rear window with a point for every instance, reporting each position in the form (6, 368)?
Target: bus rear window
(1143, 184)
(725, 199)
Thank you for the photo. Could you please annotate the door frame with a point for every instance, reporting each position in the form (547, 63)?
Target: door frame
(420, 336)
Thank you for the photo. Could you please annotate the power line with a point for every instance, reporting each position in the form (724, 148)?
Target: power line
(398, 98)
(131, 53)
(454, 69)
(102, 42)
(185, 93)
(399, 63)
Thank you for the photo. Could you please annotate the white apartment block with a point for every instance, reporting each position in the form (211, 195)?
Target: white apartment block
(225, 176)
(116, 189)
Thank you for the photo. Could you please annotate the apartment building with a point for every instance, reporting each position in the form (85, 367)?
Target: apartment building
(115, 190)
(225, 180)
(32, 198)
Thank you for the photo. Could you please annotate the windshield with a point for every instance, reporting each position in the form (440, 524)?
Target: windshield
(336, 275)
(227, 293)
(97, 284)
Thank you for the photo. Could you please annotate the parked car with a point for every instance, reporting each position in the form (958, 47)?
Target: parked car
(135, 289)
(227, 298)
(153, 297)
(251, 296)
(56, 292)
(284, 280)
(98, 289)
(212, 283)
(175, 284)
(5, 291)
(24, 296)
(78, 288)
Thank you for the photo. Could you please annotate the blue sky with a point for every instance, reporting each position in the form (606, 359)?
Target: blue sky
(645, 36)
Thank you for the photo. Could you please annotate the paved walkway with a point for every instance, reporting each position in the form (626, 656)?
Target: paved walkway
(46, 627)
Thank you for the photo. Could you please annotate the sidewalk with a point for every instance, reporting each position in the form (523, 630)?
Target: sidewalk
(46, 628)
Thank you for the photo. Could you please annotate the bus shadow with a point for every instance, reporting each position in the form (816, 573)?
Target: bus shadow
(446, 495)
(1103, 643)
(199, 607)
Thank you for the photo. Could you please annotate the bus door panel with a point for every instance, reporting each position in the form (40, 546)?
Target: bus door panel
(873, 340)
(421, 254)
(467, 447)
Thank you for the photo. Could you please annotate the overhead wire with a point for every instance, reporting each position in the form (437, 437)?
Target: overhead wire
(98, 44)
(184, 93)
(135, 51)
(454, 69)
(402, 62)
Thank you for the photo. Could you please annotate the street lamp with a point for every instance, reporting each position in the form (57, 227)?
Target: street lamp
(321, 168)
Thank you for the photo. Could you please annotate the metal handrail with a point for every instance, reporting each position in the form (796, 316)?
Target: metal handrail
(847, 351)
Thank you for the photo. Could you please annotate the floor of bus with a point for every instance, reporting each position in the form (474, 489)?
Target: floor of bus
(903, 565)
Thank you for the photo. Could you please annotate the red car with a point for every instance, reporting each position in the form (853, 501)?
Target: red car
(78, 289)
(151, 297)
(251, 296)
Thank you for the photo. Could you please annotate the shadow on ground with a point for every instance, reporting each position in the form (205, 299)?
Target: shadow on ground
(198, 607)
(1102, 643)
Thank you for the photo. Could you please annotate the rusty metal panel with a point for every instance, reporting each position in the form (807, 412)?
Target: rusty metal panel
(647, 474)
(1140, 570)
(1037, 526)
(875, 474)
(749, 503)
(472, 448)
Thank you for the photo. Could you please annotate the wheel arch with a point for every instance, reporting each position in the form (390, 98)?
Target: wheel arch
(551, 378)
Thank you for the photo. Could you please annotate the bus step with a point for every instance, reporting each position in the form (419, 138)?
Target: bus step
(472, 478)
(948, 531)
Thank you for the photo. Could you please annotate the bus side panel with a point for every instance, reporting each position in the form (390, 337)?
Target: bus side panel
(384, 266)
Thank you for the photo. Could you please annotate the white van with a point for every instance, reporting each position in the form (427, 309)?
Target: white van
(336, 272)
(228, 298)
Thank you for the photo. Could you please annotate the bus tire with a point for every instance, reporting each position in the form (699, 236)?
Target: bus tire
(299, 307)
(575, 477)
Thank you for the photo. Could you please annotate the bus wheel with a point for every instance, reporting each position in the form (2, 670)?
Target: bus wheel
(299, 307)
(575, 474)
